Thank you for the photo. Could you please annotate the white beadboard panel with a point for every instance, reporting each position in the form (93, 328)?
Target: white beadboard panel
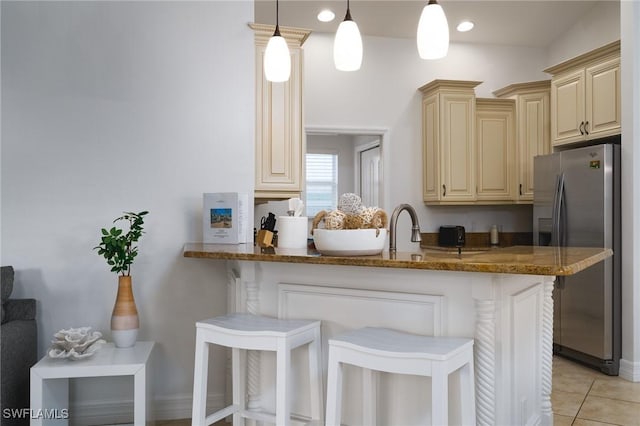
(361, 308)
(526, 314)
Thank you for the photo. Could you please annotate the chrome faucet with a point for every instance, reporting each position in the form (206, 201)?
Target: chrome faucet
(415, 227)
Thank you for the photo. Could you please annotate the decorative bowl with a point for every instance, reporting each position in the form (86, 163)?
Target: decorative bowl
(349, 242)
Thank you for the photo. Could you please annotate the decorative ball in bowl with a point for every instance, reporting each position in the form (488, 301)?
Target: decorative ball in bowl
(349, 242)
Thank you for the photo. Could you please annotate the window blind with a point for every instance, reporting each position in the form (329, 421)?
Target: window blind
(322, 183)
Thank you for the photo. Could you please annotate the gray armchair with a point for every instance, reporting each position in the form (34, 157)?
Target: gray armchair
(18, 347)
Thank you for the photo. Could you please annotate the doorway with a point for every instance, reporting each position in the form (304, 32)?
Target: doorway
(368, 166)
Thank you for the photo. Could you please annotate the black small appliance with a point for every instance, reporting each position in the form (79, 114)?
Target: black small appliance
(451, 236)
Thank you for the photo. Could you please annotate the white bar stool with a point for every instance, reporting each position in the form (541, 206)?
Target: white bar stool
(243, 332)
(391, 351)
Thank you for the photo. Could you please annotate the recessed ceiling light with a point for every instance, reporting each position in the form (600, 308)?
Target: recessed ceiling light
(326, 15)
(464, 26)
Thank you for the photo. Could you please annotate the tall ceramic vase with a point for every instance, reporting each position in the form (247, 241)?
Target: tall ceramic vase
(124, 319)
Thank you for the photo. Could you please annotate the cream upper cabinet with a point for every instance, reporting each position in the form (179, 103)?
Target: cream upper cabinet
(603, 110)
(280, 143)
(495, 150)
(532, 131)
(568, 108)
(448, 142)
(585, 96)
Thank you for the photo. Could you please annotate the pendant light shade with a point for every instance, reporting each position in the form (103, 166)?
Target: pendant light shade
(433, 32)
(277, 59)
(347, 46)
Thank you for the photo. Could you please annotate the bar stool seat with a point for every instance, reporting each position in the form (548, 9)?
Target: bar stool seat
(243, 332)
(391, 351)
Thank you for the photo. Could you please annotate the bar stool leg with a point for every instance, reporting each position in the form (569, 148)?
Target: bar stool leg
(467, 394)
(369, 396)
(198, 414)
(315, 378)
(439, 396)
(283, 372)
(334, 390)
(238, 371)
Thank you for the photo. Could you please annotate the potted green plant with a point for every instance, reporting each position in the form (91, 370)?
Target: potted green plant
(119, 249)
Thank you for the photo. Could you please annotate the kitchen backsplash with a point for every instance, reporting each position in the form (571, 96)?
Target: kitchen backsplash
(481, 239)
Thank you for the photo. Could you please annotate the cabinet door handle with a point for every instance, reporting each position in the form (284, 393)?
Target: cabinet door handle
(520, 189)
(444, 190)
(586, 130)
(580, 128)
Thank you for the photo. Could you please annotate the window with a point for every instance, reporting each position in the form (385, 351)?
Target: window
(322, 183)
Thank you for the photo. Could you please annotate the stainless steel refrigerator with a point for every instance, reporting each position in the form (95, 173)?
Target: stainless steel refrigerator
(577, 204)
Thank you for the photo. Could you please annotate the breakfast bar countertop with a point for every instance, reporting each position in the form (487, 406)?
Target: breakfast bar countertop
(531, 260)
(500, 296)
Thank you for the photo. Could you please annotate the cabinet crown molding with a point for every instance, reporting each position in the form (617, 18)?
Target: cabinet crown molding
(455, 85)
(611, 49)
(522, 88)
(494, 103)
(294, 36)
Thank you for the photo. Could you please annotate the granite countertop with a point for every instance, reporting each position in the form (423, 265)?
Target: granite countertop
(531, 260)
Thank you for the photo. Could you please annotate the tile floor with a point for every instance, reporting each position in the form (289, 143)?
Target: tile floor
(584, 397)
(580, 397)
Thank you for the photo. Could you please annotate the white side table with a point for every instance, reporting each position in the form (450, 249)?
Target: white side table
(50, 379)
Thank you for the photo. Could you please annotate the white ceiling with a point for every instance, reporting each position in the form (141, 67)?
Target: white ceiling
(514, 22)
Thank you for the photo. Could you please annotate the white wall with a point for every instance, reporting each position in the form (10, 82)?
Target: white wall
(113, 106)
(384, 94)
(599, 26)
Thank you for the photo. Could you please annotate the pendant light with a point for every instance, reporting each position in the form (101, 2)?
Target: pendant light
(347, 46)
(433, 32)
(277, 60)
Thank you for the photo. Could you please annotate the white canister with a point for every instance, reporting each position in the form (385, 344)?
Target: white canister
(494, 235)
(293, 231)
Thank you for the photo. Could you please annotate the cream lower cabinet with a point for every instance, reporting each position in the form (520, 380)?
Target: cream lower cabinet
(585, 96)
(495, 150)
(448, 142)
(532, 131)
(280, 143)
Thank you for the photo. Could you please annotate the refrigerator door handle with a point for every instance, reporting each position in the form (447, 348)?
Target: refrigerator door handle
(554, 231)
(562, 237)
(555, 213)
(560, 282)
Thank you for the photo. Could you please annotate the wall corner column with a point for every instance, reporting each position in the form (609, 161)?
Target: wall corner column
(630, 70)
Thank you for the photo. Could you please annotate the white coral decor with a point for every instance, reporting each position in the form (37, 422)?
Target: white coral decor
(75, 343)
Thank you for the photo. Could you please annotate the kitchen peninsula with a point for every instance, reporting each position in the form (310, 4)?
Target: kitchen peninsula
(500, 297)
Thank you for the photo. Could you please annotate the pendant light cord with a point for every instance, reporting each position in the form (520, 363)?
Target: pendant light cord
(347, 17)
(276, 33)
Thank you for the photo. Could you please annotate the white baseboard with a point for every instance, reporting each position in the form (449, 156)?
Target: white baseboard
(179, 407)
(165, 407)
(630, 370)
